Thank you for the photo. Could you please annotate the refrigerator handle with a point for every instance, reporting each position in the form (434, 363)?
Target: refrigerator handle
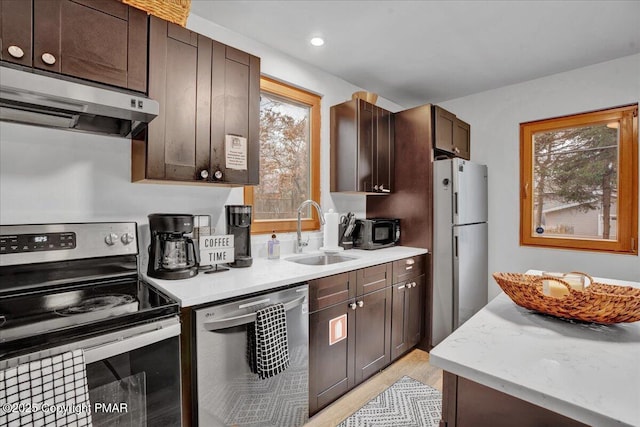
(455, 203)
(455, 246)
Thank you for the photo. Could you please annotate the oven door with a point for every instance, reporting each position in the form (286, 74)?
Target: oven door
(133, 375)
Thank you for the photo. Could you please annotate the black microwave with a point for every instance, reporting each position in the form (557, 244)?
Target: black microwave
(376, 233)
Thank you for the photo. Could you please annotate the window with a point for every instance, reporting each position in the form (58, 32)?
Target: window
(579, 179)
(289, 159)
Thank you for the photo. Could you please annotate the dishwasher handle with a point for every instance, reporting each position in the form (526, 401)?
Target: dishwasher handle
(229, 322)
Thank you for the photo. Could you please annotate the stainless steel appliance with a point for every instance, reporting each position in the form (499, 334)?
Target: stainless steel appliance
(376, 233)
(228, 392)
(239, 225)
(460, 260)
(172, 253)
(27, 96)
(69, 287)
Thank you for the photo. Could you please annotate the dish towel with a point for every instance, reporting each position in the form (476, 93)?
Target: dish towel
(271, 342)
(47, 392)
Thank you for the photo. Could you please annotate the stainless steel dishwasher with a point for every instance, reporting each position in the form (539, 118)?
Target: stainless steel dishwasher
(228, 392)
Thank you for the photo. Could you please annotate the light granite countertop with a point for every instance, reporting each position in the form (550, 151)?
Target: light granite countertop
(265, 274)
(585, 371)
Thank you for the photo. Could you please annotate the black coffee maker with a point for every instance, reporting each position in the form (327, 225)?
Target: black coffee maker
(239, 224)
(172, 254)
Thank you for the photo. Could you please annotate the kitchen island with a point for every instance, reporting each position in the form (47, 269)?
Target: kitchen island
(507, 364)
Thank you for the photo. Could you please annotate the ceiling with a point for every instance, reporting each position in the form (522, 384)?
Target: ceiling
(414, 52)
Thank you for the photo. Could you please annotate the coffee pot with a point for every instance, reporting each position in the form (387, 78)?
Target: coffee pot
(172, 253)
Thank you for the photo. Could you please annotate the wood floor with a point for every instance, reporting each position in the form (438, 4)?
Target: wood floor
(414, 364)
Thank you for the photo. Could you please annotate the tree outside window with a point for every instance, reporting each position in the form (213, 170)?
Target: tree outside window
(289, 158)
(579, 177)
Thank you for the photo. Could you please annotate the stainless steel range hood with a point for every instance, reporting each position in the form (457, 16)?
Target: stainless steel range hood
(31, 98)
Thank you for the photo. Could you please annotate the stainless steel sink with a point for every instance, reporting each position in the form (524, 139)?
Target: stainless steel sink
(321, 259)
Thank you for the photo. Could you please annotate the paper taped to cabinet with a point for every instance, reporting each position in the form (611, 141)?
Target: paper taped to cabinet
(235, 152)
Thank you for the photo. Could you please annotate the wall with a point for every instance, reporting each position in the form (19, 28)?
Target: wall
(495, 117)
(53, 176)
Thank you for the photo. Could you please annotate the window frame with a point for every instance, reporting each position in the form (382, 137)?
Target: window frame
(312, 100)
(627, 215)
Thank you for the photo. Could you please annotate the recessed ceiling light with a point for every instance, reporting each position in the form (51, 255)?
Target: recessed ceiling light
(317, 41)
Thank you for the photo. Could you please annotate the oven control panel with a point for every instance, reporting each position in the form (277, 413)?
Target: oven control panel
(37, 242)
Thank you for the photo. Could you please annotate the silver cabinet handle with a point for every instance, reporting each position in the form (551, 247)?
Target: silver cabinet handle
(353, 306)
(375, 187)
(217, 174)
(360, 303)
(204, 174)
(15, 51)
(228, 322)
(48, 58)
(410, 261)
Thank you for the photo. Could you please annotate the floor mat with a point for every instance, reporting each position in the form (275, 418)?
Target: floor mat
(406, 403)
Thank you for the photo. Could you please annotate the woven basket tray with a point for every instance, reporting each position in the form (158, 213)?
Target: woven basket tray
(598, 303)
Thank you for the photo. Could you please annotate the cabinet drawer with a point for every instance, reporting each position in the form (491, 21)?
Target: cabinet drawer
(373, 278)
(408, 268)
(331, 290)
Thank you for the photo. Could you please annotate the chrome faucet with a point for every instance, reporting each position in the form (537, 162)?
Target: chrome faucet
(299, 243)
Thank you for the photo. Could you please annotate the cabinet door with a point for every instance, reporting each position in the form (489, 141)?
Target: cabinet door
(235, 112)
(462, 139)
(444, 129)
(373, 333)
(367, 134)
(16, 31)
(384, 151)
(180, 80)
(407, 316)
(100, 40)
(416, 308)
(330, 364)
(399, 318)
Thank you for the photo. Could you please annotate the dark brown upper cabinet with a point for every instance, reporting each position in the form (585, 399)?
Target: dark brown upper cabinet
(16, 31)
(209, 93)
(104, 41)
(362, 148)
(451, 134)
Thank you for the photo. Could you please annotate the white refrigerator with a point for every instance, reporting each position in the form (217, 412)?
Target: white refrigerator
(460, 259)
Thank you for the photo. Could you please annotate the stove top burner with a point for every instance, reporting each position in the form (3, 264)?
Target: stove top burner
(53, 295)
(104, 303)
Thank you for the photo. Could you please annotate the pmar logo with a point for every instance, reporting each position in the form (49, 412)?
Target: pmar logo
(119, 407)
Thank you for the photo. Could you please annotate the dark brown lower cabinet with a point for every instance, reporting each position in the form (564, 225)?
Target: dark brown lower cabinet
(335, 366)
(364, 299)
(466, 403)
(407, 315)
(373, 333)
(330, 365)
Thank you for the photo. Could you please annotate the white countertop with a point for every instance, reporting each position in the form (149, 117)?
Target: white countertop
(587, 372)
(266, 274)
